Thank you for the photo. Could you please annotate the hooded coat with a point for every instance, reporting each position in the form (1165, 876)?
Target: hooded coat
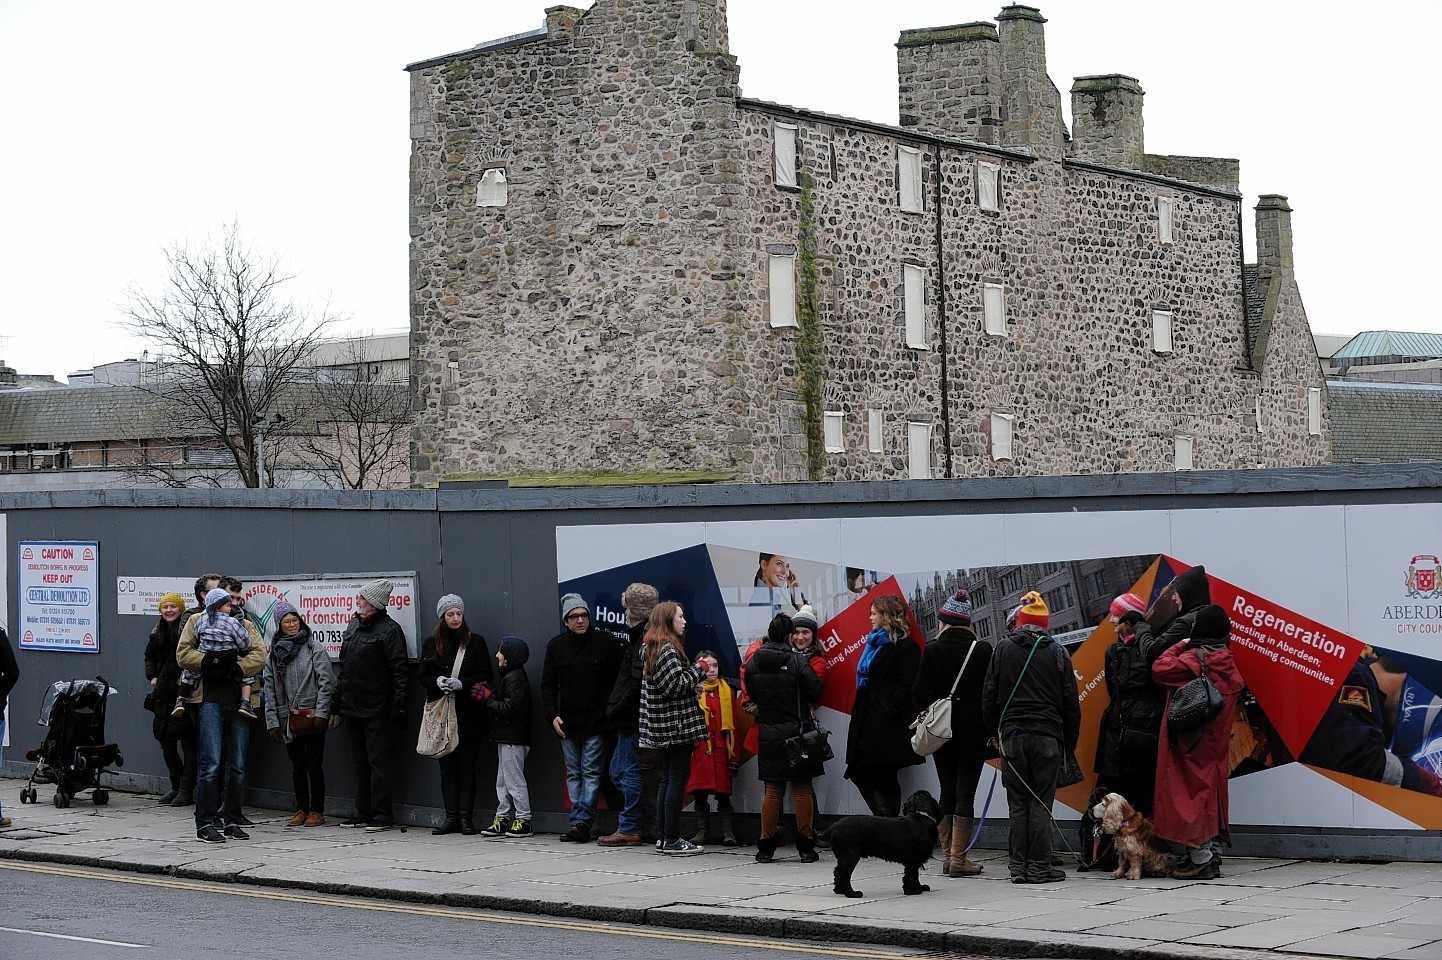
(1192, 768)
(782, 682)
(1188, 592)
(510, 704)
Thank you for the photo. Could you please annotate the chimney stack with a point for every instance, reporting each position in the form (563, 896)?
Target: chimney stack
(1106, 117)
(1031, 105)
(1274, 234)
(949, 81)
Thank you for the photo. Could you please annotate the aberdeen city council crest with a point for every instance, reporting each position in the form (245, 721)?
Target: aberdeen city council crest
(1424, 577)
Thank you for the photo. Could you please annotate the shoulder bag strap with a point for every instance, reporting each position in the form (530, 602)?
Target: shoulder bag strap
(964, 661)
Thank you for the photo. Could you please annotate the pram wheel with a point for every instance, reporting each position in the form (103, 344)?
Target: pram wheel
(27, 794)
(101, 797)
(62, 800)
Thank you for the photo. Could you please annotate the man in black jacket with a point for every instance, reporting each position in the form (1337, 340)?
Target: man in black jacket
(1030, 699)
(374, 681)
(576, 680)
(637, 817)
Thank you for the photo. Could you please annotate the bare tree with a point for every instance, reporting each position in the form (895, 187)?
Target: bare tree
(362, 423)
(235, 346)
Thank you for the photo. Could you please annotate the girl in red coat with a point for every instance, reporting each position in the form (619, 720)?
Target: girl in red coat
(713, 761)
(1192, 768)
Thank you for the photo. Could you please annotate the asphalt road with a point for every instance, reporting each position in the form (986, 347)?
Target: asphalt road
(57, 912)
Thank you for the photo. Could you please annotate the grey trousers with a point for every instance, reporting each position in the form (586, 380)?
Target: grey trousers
(1032, 760)
(513, 800)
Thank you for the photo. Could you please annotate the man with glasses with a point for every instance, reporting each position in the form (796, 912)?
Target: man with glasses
(576, 680)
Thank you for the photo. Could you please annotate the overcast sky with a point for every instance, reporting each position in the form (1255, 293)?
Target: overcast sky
(128, 126)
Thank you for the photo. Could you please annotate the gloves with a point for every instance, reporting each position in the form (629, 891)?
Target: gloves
(334, 721)
(275, 735)
(1130, 617)
(443, 684)
(1421, 779)
(455, 684)
(482, 693)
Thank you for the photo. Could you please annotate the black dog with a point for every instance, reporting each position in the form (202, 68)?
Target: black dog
(908, 840)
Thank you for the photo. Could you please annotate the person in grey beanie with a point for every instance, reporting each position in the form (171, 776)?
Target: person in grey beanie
(577, 675)
(374, 683)
(454, 658)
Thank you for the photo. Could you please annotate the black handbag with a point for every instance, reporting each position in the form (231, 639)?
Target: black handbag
(1196, 703)
(811, 744)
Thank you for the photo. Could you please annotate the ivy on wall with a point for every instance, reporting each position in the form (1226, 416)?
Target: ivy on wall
(810, 364)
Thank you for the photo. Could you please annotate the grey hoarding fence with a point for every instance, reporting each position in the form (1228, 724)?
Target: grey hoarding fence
(496, 547)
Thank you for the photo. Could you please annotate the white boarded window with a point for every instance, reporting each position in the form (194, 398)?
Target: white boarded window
(913, 284)
(1182, 452)
(1258, 414)
(1002, 428)
(908, 178)
(988, 185)
(491, 191)
(783, 289)
(873, 431)
(1166, 212)
(784, 154)
(1314, 411)
(918, 450)
(1162, 331)
(993, 309)
(831, 422)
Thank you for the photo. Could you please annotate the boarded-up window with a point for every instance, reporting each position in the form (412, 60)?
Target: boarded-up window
(1162, 331)
(491, 191)
(993, 307)
(783, 290)
(1166, 213)
(918, 450)
(873, 431)
(988, 185)
(908, 178)
(1259, 414)
(784, 154)
(914, 303)
(1001, 435)
(1314, 411)
(1182, 456)
(831, 431)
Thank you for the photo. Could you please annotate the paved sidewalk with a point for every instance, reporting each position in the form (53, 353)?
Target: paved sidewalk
(1261, 908)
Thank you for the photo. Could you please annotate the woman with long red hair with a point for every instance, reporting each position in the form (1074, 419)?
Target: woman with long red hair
(671, 719)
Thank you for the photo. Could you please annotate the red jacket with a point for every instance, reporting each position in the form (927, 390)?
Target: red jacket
(710, 763)
(1191, 800)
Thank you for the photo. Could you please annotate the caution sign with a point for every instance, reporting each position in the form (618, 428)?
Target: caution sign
(59, 602)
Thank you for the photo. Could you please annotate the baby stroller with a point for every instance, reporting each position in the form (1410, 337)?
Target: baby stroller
(74, 753)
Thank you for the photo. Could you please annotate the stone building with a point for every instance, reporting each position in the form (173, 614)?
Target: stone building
(619, 263)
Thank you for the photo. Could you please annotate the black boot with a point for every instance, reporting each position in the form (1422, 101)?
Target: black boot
(728, 829)
(806, 849)
(168, 798)
(450, 825)
(185, 797)
(468, 825)
(765, 849)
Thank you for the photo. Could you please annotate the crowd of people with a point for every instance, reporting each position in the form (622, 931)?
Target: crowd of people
(646, 726)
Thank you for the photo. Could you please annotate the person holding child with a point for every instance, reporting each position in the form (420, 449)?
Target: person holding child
(714, 760)
(453, 661)
(217, 630)
(508, 707)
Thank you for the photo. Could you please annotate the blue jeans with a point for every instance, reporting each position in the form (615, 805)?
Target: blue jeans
(639, 814)
(583, 776)
(220, 731)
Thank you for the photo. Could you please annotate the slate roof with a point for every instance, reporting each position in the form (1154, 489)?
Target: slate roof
(1391, 343)
(1387, 422)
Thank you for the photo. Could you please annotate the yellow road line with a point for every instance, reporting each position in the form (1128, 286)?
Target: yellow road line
(419, 910)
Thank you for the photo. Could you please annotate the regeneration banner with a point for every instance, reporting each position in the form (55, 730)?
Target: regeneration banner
(327, 604)
(59, 601)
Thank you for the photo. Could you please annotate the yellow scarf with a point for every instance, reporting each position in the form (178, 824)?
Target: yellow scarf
(722, 689)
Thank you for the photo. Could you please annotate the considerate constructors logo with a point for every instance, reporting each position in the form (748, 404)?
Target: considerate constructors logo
(1424, 577)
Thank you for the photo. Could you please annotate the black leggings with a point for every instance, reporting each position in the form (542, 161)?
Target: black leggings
(879, 787)
(958, 783)
(307, 771)
(673, 770)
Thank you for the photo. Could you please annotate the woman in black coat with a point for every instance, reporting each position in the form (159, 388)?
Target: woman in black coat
(453, 638)
(878, 744)
(955, 664)
(780, 681)
(176, 736)
(1127, 742)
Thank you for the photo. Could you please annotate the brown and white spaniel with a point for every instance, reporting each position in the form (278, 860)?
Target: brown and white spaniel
(1137, 851)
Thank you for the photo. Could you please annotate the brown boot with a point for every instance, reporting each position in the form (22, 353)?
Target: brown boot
(943, 833)
(961, 864)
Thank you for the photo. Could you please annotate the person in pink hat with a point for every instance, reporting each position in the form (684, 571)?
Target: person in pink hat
(1126, 758)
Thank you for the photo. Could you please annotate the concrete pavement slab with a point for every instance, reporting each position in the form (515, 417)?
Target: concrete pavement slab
(1356, 945)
